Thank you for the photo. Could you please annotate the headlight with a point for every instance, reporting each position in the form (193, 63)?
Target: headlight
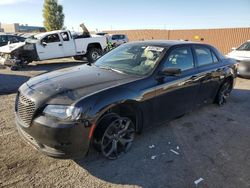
(63, 112)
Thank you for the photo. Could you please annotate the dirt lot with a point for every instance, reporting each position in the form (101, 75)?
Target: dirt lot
(212, 142)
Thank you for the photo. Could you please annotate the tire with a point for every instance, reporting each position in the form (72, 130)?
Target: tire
(114, 136)
(14, 67)
(93, 54)
(224, 92)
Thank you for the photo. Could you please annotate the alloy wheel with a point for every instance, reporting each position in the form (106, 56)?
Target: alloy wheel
(224, 93)
(95, 55)
(118, 138)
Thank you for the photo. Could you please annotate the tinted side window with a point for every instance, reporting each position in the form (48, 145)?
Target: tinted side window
(204, 55)
(51, 38)
(115, 37)
(65, 36)
(3, 38)
(181, 58)
(245, 46)
(22, 39)
(13, 39)
(215, 59)
(122, 37)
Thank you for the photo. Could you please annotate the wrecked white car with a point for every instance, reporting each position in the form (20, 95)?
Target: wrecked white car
(51, 45)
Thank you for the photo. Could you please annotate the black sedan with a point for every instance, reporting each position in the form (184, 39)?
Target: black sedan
(135, 86)
(5, 39)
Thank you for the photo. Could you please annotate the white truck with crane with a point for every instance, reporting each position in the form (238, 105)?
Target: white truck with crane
(53, 45)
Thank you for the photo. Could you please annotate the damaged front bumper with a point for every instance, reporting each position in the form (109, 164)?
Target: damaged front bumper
(2, 60)
(9, 62)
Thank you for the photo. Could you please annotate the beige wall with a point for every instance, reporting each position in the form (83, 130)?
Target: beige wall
(223, 39)
(10, 28)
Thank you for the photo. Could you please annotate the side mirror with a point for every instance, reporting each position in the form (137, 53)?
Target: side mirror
(43, 44)
(171, 72)
(233, 48)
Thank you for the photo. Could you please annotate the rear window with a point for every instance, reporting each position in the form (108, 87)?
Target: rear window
(65, 36)
(215, 59)
(204, 56)
(245, 47)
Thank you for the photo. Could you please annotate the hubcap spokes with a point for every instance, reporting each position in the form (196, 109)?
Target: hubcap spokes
(118, 138)
(95, 55)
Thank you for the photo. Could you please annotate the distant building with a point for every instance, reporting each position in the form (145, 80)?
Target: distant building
(1, 30)
(27, 29)
(16, 28)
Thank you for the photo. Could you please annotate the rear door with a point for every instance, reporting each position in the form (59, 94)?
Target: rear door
(210, 73)
(50, 47)
(68, 44)
(175, 95)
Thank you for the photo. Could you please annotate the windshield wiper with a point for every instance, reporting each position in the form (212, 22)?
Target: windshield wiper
(115, 70)
(104, 67)
(111, 69)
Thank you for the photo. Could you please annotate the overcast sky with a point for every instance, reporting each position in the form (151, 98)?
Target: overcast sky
(134, 14)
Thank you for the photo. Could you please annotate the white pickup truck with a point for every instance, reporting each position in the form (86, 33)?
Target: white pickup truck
(51, 45)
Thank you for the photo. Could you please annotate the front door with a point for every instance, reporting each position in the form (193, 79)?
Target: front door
(175, 95)
(50, 47)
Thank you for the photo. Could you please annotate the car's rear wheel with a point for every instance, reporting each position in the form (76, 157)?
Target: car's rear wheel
(224, 93)
(115, 136)
(93, 54)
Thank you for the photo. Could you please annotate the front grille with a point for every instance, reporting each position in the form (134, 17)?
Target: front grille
(25, 109)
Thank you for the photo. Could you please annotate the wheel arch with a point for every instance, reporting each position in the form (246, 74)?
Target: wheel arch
(94, 45)
(229, 78)
(129, 108)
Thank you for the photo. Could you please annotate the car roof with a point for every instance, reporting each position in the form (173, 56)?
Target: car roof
(166, 43)
(6, 34)
(117, 34)
(41, 35)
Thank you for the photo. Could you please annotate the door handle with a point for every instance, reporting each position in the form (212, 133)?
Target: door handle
(59, 44)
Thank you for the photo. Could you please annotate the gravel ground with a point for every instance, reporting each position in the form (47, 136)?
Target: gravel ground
(211, 143)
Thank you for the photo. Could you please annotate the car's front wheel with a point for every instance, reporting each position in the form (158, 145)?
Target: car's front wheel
(115, 136)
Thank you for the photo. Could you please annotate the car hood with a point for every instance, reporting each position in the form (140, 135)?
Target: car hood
(239, 55)
(11, 47)
(77, 82)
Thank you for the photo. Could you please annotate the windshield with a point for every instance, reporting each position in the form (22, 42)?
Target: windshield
(37, 36)
(34, 38)
(245, 47)
(136, 59)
